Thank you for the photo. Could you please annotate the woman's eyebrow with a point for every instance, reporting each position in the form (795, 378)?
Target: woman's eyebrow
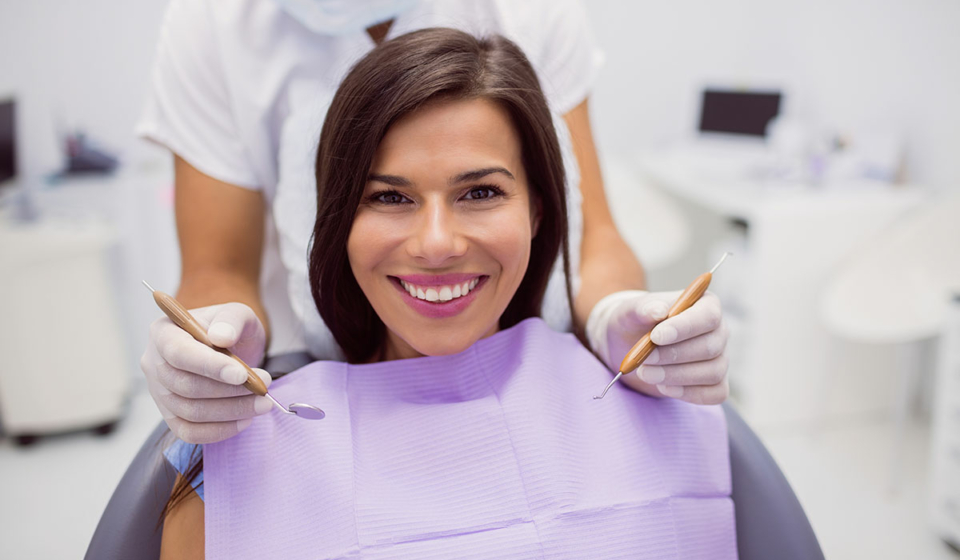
(392, 180)
(466, 176)
(478, 174)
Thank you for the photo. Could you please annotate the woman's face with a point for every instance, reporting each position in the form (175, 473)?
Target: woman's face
(441, 239)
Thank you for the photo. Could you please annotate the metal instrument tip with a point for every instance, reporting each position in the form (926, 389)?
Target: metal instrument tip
(723, 258)
(607, 388)
(149, 287)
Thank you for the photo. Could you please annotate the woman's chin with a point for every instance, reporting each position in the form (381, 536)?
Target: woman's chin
(442, 347)
(434, 344)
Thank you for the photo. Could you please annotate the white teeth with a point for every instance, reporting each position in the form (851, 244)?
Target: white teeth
(440, 293)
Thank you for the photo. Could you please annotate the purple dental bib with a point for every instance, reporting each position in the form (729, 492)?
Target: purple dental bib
(497, 452)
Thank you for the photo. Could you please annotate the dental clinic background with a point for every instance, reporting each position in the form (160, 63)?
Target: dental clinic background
(842, 297)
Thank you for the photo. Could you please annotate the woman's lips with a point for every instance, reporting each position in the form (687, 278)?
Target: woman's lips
(439, 309)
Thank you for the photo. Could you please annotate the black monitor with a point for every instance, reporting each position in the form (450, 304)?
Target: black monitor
(8, 141)
(738, 112)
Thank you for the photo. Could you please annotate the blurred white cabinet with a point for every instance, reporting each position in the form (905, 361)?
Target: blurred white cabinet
(785, 366)
(63, 363)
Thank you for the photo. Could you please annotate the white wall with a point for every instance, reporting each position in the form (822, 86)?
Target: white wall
(84, 63)
(846, 64)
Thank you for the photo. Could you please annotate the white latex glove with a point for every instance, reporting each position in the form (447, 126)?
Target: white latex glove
(198, 390)
(689, 361)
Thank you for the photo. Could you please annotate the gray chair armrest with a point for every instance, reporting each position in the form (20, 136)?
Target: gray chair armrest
(130, 526)
(282, 364)
(770, 520)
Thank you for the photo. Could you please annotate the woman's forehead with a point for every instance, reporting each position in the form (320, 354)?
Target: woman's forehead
(450, 137)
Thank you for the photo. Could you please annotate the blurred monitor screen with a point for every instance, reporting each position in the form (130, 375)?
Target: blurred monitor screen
(738, 112)
(8, 152)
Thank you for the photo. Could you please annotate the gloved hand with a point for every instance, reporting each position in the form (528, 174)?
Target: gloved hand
(198, 390)
(688, 363)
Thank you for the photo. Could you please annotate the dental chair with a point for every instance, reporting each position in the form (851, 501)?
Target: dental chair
(770, 522)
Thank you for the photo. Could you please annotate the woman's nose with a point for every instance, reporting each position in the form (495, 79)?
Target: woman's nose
(437, 238)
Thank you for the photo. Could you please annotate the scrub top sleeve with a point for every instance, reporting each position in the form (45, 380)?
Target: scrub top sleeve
(181, 455)
(188, 108)
(572, 58)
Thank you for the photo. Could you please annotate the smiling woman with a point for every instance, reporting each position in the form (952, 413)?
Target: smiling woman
(446, 147)
(441, 213)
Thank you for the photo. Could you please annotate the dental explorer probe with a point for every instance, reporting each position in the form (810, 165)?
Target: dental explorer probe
(183, 319)
(642, 349)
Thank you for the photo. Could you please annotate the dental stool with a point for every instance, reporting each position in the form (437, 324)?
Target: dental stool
(770, 522)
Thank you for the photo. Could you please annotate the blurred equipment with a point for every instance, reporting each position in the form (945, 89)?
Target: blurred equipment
(905, 305)
(13, 191)
(8, 141)
(914, 292)
(84, 157)
(752, 138)
(62, 357)
(863, 154)
(742, 112)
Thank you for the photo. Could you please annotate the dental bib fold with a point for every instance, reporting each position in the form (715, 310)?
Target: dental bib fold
(497, 452)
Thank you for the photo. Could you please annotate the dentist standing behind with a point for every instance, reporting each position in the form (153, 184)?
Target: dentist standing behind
(239, 93)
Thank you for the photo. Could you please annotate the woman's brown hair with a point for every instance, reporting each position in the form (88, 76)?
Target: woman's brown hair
(394, 80)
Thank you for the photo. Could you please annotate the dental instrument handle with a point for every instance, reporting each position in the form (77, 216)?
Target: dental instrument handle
(642, 349)
(183, 319)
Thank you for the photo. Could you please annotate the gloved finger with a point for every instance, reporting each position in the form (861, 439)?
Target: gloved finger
(708, 372)
(186, 431)
(235, 325)
(181, 351)
(208, 432)
(156, 392)
(697, 394)
(216, 410)
(704, 347)
(703, 316)
(649, 309)
(193, 386)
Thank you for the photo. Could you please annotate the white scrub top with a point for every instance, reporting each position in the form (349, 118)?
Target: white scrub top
(240, 90)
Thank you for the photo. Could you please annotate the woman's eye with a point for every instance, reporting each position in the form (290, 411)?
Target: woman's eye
(483, 193)
(389, 197)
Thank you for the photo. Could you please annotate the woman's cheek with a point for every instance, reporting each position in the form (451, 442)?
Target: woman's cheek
(372, 238)
(509, 238)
